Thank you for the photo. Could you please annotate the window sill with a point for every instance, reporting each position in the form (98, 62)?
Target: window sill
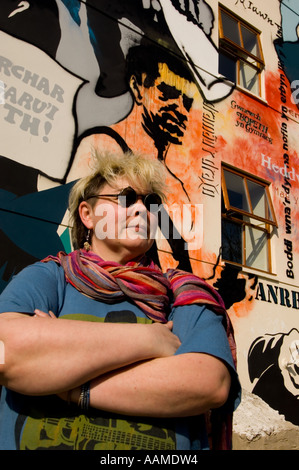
(251, 95)
(248, 270)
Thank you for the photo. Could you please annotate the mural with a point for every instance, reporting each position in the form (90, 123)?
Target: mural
(273, 359)
(85, 90)
(143, 75)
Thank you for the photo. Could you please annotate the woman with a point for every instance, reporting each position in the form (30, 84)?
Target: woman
(118, 377)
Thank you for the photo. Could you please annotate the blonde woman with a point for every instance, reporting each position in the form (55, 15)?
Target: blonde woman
(103, 350)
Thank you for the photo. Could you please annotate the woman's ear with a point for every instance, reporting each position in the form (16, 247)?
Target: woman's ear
(85, 213)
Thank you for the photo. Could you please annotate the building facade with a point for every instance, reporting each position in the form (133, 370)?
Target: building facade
(212, 90)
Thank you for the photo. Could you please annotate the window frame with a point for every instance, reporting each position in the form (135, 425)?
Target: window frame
(246, 220)
(238, 53)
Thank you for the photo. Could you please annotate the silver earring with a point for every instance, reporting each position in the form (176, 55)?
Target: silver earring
(87, 241)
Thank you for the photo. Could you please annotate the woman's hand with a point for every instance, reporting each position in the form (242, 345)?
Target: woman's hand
(40, 314)
(164, 342)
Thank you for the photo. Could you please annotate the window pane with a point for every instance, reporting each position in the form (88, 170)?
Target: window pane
(256, 248)
(250, 42)
(236, 191)
(230, 28)
(259, 200)
(231, 241)
(249, 78)
(228, 67)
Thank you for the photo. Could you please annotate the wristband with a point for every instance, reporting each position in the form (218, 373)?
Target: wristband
(84, 396)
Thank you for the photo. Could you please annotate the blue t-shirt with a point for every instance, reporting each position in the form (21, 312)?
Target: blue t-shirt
(37, 423)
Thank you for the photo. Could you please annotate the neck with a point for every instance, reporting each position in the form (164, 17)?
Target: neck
(121, 257)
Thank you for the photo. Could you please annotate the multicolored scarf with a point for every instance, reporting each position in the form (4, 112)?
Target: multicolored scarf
(145, 284)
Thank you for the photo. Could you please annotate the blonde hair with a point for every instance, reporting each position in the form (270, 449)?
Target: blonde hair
(107, 168)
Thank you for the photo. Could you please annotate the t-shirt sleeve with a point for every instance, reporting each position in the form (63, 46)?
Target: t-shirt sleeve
(38, 286)
(201, 330)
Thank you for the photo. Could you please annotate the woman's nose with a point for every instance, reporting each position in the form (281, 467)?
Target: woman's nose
(138, 208)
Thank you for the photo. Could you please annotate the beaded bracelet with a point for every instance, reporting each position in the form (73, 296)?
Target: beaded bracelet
(83, 402)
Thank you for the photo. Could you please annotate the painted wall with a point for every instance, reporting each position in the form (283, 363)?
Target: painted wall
(71, 79)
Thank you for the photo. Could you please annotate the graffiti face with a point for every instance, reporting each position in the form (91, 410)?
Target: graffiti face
(166, 104)
(274, 359)
(289, 362)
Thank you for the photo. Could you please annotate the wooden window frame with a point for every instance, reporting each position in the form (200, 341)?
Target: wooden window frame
(239, 216)
(238, 52)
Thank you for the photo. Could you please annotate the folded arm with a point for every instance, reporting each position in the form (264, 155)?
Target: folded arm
(177, 386)
(45, 356)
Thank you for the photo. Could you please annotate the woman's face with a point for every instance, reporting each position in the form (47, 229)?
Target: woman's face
(119, 233)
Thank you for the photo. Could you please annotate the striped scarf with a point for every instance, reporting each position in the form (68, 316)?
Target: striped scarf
(142, 282)
(152, 291)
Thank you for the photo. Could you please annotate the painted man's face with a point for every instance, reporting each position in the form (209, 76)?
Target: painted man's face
(166, 107)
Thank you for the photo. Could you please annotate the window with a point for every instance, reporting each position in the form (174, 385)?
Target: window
(247, 220)
(240, 54)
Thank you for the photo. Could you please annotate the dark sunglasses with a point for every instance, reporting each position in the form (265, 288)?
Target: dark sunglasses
(128, 196)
